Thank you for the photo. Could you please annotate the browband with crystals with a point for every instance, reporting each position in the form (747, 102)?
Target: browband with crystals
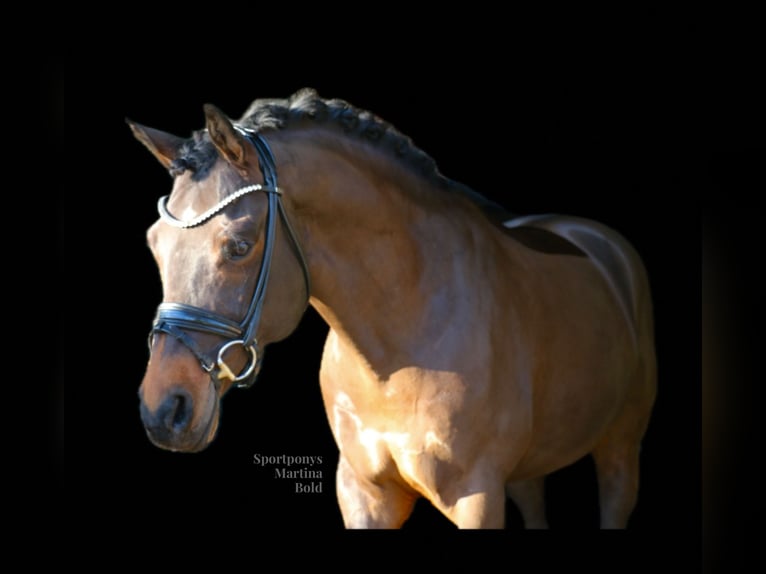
(168, 218)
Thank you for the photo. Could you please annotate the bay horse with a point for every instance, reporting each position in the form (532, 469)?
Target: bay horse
(470, 353)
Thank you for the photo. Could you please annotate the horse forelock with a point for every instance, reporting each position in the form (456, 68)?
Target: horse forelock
(196, 155)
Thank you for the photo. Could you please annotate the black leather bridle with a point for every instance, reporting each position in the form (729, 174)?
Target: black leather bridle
(175, 319)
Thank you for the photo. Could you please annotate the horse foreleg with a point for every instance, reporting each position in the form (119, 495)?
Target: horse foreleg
(364, 504)
(529, 497)
(481, 506)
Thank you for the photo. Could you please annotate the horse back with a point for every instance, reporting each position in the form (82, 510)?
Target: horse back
(615, 258)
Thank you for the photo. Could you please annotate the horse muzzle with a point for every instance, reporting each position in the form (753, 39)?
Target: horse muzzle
(178, 423)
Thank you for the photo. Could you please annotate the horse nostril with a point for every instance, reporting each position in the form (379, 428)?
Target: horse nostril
(176, 411)
(182, 413)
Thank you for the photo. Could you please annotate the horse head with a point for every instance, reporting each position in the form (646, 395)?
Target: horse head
(233, 279)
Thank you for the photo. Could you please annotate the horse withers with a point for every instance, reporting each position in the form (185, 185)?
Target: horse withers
(470, 353)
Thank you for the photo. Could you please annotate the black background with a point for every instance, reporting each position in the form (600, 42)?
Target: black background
(598, 115)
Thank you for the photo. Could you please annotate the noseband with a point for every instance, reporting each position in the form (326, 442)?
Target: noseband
(175, 319)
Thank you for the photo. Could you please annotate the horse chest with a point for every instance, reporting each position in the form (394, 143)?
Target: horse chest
(386, 441)
(385, 430)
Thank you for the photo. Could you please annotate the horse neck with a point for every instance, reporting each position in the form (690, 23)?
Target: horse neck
(388, 256)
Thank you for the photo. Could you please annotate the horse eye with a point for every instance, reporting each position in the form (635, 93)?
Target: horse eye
(236, 248)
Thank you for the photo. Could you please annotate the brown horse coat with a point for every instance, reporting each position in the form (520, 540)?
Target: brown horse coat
(468, 356)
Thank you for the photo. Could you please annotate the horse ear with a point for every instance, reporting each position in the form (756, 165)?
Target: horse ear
(227, 140)
(164, 146)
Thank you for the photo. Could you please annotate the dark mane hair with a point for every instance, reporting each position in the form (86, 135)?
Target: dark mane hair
(306, 106)
(198, 155)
